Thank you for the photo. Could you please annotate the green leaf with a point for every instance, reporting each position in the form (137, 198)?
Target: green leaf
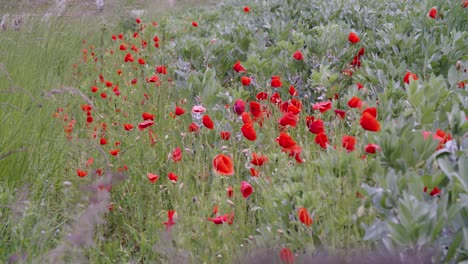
(452, 76)
(457, 240)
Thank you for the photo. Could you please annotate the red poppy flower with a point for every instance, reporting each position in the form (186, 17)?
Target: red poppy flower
(286, 256)
(292, 109)
(215, 210)
(246, 189)
(176, 154)
(298, 55)
(316, 126)
(114, 152)
(322, 140)
(86, 108)
(161, 69)
(432, 13)
(138, 20)
(309, 120)
(292, 91)
(361, 52)
(222, 164)
(261, 96)
(284, 106)
(296, 102)
(288, 119)
(296, 153)
(116, 92)
(152, 79)
(276, 81)
(256, 109)
(225, 135)
(94, 89)
(170, 220)
(304, 216)
(141, 61)
(355, 102)
(246, 9)
(249, 132)
(128, 127)
(442, 136)
(128, 58)
(340, 113)
(238, 67)
(370, 123)
(207, 122)
(147, 116)
(276, 99)
(348, 142)
(81, 173)
(145, 124)
(152, 177)
(246, 80)
(193, 127)
(372, 148)
(356, 62)
(359, 86)
(172, 176)
(286, 141)
(258, 160)
(227, 218)
(229, 191)
(152, 137)
(435, 191)
(322, 106)
(371, 110)
(246, 119)
(239, 106)
(253, 172)
(103, 141)
(353, 38)
(179, 111)
(194, 24)
(408, 76)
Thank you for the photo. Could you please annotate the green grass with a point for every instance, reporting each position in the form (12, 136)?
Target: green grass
(49, 214)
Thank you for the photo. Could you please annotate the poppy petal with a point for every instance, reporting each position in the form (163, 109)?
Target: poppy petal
(246, 189)
(370, 123)
(249, 132)
(222, 164)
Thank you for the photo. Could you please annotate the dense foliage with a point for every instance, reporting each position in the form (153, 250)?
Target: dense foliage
(288, 125)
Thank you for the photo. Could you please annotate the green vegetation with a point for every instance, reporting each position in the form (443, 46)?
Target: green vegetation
(92, 132)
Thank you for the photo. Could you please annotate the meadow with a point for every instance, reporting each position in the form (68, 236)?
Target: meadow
(237, 132)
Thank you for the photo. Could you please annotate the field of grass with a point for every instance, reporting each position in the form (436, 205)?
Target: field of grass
(262, 131)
